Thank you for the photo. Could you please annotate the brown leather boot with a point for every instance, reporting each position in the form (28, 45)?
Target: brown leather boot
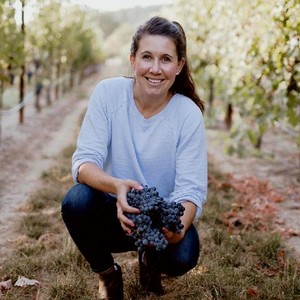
(111, 284)
(150, 276)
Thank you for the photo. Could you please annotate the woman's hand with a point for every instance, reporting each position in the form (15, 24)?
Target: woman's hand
(123, 187)
(173, 237)
(95, 177)
(186, 220)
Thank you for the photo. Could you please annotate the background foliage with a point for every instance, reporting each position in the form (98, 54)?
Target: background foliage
(245, 55)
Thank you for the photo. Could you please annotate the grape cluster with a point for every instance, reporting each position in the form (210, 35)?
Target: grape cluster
(155, 213)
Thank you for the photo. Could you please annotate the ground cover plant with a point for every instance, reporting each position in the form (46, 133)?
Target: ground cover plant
(242, 257)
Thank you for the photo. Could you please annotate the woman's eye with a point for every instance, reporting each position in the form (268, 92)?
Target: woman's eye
(146, 57)
(166, 59)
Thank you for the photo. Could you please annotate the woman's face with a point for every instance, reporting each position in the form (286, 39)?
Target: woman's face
(155, 65)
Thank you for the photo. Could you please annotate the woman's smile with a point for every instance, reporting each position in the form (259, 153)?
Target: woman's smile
(154, 81)
(155, 68)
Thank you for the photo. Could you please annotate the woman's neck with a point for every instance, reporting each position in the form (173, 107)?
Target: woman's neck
(150, 106)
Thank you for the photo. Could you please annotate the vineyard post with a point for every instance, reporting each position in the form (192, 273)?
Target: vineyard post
(22, 92)
(1, 106)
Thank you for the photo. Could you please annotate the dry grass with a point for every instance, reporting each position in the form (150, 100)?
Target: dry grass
(246, 264)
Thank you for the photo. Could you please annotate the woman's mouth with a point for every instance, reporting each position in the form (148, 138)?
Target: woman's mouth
(154, 81)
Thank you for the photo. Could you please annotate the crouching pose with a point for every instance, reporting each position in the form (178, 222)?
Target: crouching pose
(144, 130)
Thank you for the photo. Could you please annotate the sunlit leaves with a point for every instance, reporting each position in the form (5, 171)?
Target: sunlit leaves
(57, 33)
(250, 51)
(11, 40)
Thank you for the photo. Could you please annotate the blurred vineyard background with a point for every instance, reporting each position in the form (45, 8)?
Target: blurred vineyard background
(245, 57)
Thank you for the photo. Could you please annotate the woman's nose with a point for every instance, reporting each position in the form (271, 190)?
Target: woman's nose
(155, 67)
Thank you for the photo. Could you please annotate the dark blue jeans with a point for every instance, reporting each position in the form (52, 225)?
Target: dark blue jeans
(91, 219)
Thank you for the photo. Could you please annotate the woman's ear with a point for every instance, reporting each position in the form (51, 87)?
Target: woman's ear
(132, 61)
(180, 66)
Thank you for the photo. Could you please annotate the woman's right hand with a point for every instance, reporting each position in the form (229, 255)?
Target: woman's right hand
(123, 187)
(95, 177)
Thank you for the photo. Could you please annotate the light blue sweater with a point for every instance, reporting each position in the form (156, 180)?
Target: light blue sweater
(167, 151)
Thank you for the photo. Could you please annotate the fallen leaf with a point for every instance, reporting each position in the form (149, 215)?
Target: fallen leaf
(280, 221)
(281, 256)
(23, 281)
(5, 285)
(252, 292)
(255, 204)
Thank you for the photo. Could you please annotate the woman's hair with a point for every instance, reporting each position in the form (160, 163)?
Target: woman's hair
(184, 83)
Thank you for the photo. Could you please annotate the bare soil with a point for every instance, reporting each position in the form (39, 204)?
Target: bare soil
(30, 148)
(26, 150)
(279, 166)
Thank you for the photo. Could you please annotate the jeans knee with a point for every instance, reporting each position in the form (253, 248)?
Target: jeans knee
(181, 267)
(77, 200)
(180, 258)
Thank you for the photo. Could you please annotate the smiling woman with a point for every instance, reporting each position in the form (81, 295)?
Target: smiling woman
(155, 66)
(142, 131)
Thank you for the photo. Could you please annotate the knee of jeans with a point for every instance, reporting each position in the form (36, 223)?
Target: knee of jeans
(76, 200)
(181, 267)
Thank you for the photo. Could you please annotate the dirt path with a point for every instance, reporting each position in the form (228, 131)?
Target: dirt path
(29, 149)
(280, 166)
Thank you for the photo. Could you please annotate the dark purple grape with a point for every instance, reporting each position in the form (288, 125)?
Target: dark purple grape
(155, 213)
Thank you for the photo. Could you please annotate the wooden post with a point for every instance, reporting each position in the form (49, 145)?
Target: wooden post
(1, 105)
(22, 84)
(57, 80)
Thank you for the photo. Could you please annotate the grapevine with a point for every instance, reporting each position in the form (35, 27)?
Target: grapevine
(155, 213)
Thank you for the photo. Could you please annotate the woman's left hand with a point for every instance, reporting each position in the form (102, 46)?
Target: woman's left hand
(173, 237)
(186, 220)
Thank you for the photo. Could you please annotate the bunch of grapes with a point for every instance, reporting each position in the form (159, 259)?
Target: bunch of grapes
(155, 213)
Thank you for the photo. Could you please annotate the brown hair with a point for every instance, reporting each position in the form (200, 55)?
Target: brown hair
(184, 83)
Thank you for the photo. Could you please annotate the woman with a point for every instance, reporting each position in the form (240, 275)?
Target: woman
(145, 130)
